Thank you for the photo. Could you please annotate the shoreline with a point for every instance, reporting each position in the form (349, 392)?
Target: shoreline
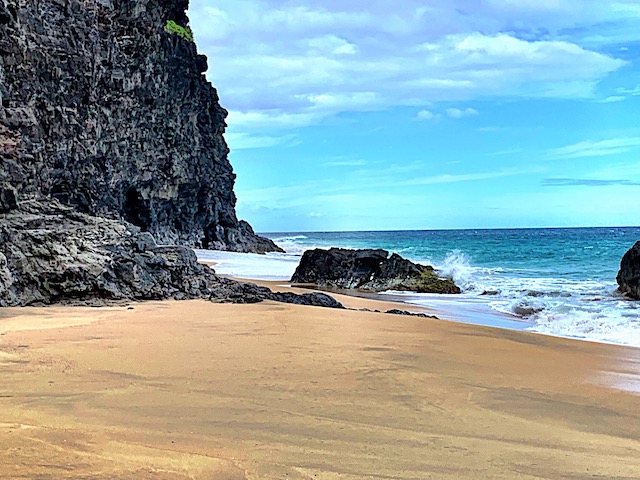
(491, 319)
(190, 389)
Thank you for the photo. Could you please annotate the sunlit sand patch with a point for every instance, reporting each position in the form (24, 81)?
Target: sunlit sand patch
(19, 319)
(626, 377)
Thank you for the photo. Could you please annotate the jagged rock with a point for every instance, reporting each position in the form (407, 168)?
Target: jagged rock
(103, 109)
(629, 274)
(396, 311)
(50, 253)
(230, 291)
(315, 299)
(338, 267)
(247, 241)
(524, 310)
(368, 270)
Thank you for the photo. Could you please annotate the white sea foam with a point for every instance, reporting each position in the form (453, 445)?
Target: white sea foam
(457, 266)
(294, 244)
(466, 308)
(495, 296)
(272, 266)
(606, 321)
(584, 309)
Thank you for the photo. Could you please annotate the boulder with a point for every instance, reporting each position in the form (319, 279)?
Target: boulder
(314, 299)
(629, 274)
(371, 270)
(338, 267)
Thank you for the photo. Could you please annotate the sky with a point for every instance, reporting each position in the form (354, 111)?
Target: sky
(430, 114)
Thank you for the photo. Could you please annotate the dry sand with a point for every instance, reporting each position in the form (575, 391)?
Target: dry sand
(178, 390)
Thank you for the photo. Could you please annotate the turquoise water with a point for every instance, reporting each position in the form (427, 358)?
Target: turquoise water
(554, 281)
(575, 253)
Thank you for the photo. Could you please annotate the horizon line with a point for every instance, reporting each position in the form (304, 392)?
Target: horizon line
(445, 229)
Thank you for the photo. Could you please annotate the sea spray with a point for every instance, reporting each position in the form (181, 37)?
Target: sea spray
(292, 244)
(456, 265)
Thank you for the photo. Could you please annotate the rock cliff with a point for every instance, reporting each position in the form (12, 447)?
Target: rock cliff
(370, 270)
(51, 253)
(106, 109)
(629, 275)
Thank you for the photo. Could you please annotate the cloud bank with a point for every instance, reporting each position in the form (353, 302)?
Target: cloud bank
(289, 64)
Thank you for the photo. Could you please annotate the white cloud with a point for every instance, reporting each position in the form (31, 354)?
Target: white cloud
(622, 94)
(242, 141)
(346, 162)
(467, 177)
(592, 148)
(332, 45)
(612, 99)
(634, 92)
(427, 115)
(289, 64)
(457, 113)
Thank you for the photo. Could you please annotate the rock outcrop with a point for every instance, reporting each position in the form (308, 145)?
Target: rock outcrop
(50, 253)
(370, 270)
(239, 292)
(629, 275)
(105, 108)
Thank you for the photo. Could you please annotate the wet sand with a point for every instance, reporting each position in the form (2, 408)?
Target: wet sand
(179, 390)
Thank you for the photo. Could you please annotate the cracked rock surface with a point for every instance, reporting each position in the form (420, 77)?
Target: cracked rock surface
(50, 253)
(104, 110)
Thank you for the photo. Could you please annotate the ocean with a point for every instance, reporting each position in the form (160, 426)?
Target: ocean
(556, 281)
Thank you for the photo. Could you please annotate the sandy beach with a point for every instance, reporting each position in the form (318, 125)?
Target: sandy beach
(181, 390)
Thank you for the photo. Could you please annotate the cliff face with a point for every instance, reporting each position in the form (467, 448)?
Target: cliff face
(105, 110)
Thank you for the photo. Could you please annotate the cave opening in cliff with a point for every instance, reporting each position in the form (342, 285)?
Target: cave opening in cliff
(136, 210)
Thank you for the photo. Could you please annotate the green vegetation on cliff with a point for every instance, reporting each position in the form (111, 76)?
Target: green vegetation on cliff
(174, 29)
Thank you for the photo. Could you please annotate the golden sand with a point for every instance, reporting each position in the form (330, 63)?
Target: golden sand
(181, 390)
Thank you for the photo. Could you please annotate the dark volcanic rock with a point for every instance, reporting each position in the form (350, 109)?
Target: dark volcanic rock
(396, 311)
(5, 16)
(338, 267)
(629, 274)
(50, 253)
(230, 291)
(8, 198)
(368, 270)
(102, 109)
(311, 299)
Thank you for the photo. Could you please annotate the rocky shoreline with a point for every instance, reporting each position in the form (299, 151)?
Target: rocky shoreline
(50, 253)
(111, 139)
(111, 151)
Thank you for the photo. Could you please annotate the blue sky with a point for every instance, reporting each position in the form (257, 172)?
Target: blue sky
(428, 114)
